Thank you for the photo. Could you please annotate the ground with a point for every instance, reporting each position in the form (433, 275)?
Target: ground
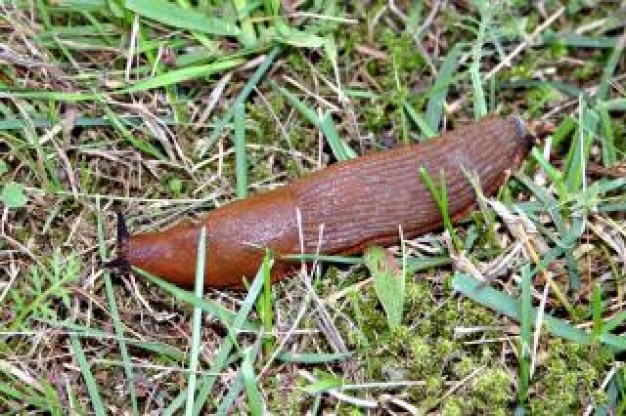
(164, 110)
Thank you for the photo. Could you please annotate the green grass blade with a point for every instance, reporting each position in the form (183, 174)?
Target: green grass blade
(241, 98)
(480, 104)
(139, 144)
(615, 321)
(580, 149)
(175, 16)
(434, 108)
(509, 306)
(241, 164)
(616, 104)
(526, 337)
(312, 358)
(566, 235)
(580, 41)
(70, 97)
(90, 381)
(609, 69)
(609, 153)
(597, 309)
(228, 344)
(419, 121)
(115, 316)
(340, 149)
(247, 37)
(196, 323)
(81, 331)
(256, 403)
(440, 196)
(177, 76)
(212, 308)
(565, 129)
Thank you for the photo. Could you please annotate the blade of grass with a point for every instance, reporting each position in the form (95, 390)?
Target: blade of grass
(266, 313)
(609, 154)
(221, 358)
(555, 175)
(70, 97)
(19, 123)
(597, 309)
(177, 76)
(509, 306)
(609, 68)
(572, 232)
(241, 165)
(480, 104)
(139, 144)
(196, 322)
(225, 407)
(92, 387)
(580, 149)
(615, 321)
(579, 41)
(159, 348)
(439, 91)
(209, 44)
(256, 404)
(312, 358)
(115, 316)
(419, 121)
(175, 16)
(616, 104)
(440, 197)
(389, 283)
(205, 145)
(340, 149)
(214, 309)
(230, 341)
(526, 338)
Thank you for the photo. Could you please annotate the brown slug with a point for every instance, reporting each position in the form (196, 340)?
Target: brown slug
(359, 202)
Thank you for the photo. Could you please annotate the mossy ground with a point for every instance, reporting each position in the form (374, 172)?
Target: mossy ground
(77, 157)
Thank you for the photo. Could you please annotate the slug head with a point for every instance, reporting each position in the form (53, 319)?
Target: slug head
(525, 133)
(120, 263)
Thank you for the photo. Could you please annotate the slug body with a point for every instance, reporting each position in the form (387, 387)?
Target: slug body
(338, 210)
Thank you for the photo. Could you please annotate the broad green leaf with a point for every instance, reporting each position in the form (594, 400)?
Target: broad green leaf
(173, 15)
(389, 283)
(13, 195)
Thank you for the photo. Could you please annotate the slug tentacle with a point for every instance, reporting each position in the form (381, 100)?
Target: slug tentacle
(121, 262)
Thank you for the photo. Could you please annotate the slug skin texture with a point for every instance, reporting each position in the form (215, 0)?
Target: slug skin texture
(343, 208)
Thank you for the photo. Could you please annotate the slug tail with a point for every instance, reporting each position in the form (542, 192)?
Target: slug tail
(120, 263)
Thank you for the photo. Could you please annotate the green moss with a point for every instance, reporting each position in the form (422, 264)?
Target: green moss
(453, 407)
(425, 348)
(492, 388)
(571, 374)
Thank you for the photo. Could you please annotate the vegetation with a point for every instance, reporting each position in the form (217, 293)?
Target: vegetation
(165, 109)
